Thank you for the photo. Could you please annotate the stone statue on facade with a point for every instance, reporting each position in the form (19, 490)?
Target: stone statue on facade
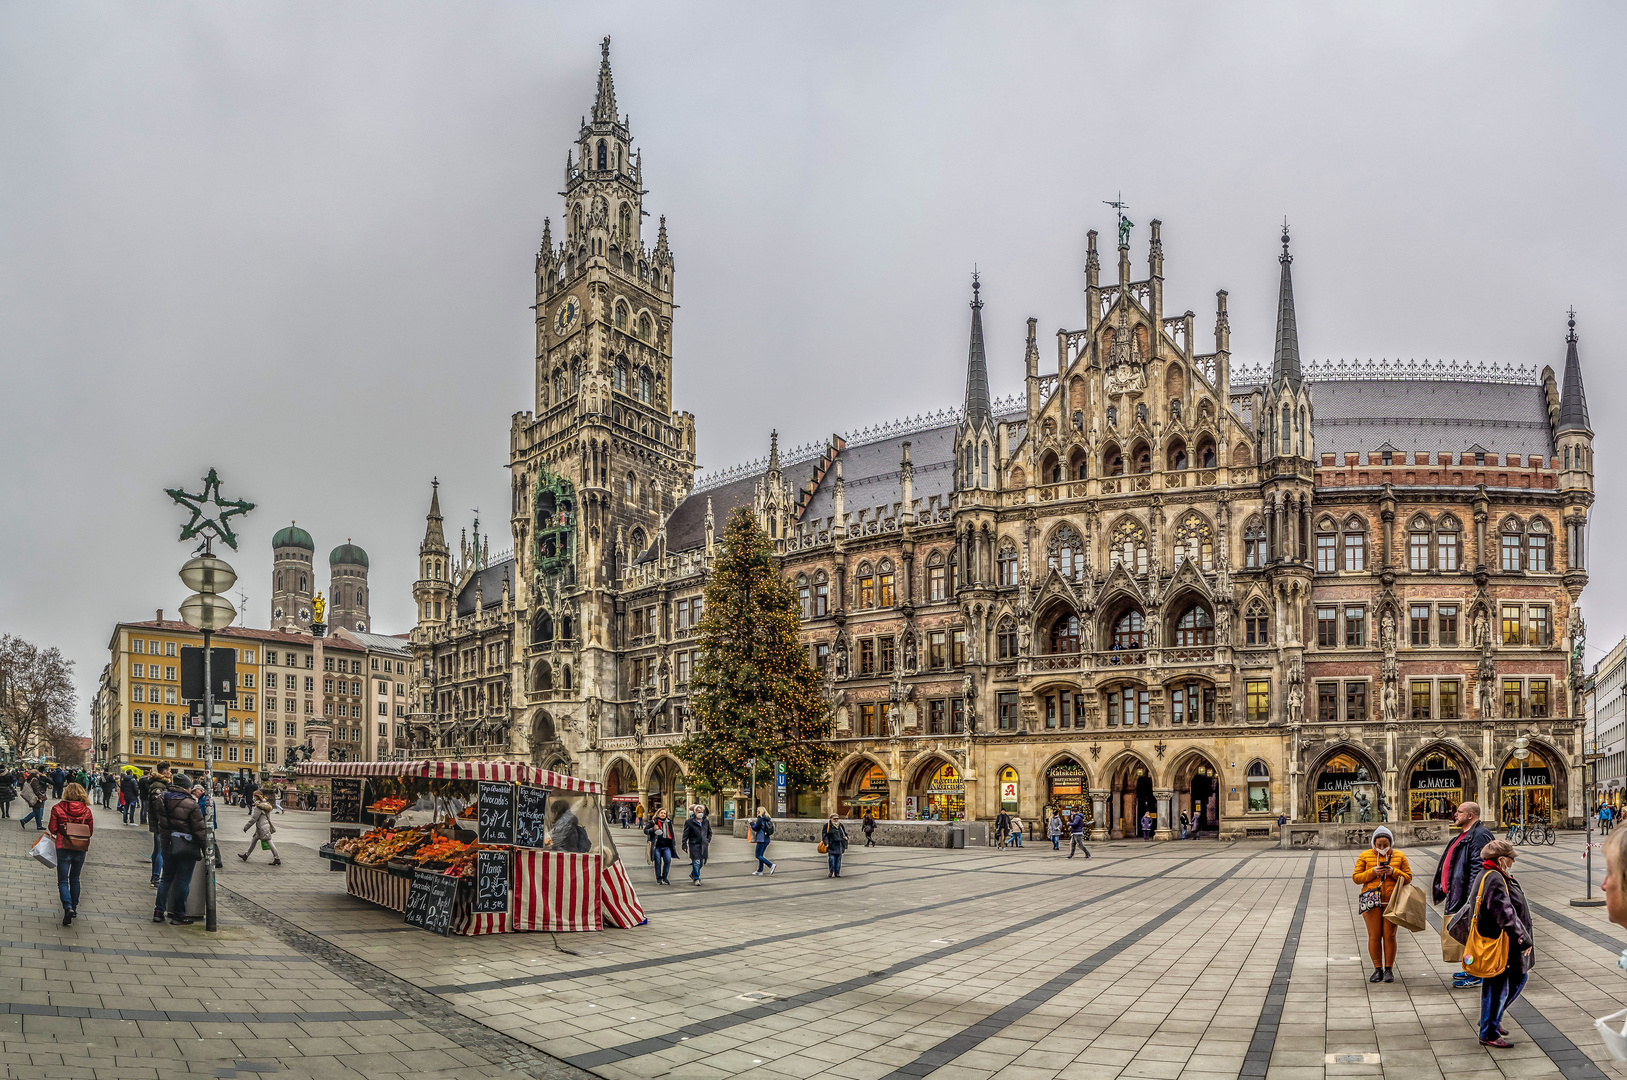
(909, 651)
(1482, 630)
(1386, 633)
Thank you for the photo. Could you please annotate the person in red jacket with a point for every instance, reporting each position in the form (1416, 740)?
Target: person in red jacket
(70, 850)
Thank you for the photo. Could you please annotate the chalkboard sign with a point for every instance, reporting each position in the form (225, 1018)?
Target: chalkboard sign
(532, 827)
(347, 800)
(491, 882)
(429, 902)
(496, 812)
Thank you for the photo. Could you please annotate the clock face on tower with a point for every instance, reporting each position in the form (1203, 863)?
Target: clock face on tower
(277, 614)
(566, 317)
(304, 615)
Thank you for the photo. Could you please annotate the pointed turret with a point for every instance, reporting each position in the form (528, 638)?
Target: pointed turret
(978, 409)
(1572, 400)
(433, 536)
(604, 103)
(1285, 357)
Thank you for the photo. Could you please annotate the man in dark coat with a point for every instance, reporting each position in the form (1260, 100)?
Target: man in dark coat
(1457, 869)
(131, 798)
(697, 841)
(181, 831)
(148, 788)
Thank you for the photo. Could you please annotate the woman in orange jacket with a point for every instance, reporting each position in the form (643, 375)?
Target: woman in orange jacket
(1379, 870)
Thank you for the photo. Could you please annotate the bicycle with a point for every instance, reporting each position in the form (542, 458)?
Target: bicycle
(1515, 835)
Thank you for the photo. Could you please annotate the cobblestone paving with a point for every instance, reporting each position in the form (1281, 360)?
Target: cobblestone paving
(1189, 960)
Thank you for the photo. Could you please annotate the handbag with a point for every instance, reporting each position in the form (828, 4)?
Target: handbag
(75, 837)
(1451, 947)
(1406, 907)
(265, 845)
(182, 846)
(824, 849)
(1484, 956)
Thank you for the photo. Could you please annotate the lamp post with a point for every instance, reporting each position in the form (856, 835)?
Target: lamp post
(1522, 750)
(208, 611)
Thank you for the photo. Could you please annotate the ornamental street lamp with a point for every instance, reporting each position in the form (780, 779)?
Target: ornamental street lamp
(208, 611)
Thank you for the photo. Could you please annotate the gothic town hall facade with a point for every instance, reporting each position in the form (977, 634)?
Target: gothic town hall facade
(1154, 584)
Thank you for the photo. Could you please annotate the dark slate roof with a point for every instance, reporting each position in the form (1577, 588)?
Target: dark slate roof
(1572, 401)
(491, 586)
(871, 477)
(1285, 355)
(978, 411)
(1356, 416)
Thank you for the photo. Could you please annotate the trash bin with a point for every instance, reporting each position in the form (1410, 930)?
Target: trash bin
(197, 903)
(957, 836)
(977, 833)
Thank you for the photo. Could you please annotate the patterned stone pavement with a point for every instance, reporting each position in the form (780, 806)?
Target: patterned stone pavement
(1179, 960)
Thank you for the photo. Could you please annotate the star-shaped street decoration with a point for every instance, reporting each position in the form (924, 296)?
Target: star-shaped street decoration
(210, 513)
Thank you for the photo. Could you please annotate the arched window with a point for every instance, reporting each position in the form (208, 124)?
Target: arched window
(639, 543)
(1078, 465)
(1196, 627)
(1130, 630)
(603, 155)
(565, 627)
(626, 223)
(621, 376)
(1537, 548)
(1513, 543)
(1448, 538)
(1128, 547)
(1066, 553)
(632, 487)
(821, 600)
(1257, 623)
(1419, 541)
(576, 220)
(1050, 469)
(279, 581)
(1006, 564)
(884, 584)
(983, 468)
(1195, 540)
(1355, 544)
(1177, 455)
(937, 578)
(804, 596)
(1112, 416)
(646, 385)
(542, 630)
(1287, 432)
(1206, 454)
(1143, 459)
(867, 587)
(1065, 634)
(1254, 544)
(302, 587)
(621, 315)
(644, 327)
(1112, 462)
(1005, 639)
(567, 677)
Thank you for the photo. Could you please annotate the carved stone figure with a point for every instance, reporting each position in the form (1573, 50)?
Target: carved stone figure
(1482, 629)
(1389, 701)
(1296, 702)
(1223, 625)
(840, 662)
(895, 720)
(1386, 632)
(1024, 637)
(909, 651)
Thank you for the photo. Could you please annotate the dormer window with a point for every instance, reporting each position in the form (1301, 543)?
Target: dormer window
(1385, 458)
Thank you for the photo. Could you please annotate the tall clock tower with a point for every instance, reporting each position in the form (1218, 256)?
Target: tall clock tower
(604, 459)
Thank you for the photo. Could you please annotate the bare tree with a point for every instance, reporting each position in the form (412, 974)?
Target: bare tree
(37, 696)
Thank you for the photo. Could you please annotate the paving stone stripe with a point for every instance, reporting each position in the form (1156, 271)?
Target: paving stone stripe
(640, 1047)
(772, 939)
(1581, 930)
(199, 1016)
(974, 1036)
(1571, 1061)
(1257, 1062)
(166, 954)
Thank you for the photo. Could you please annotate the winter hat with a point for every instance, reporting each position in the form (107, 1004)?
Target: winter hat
(1386, 833)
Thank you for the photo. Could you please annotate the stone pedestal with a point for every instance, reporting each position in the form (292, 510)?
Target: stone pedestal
(1163, 831)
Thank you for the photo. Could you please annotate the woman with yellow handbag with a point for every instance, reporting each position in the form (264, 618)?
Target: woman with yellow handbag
(1378, 871)
(1497, 938)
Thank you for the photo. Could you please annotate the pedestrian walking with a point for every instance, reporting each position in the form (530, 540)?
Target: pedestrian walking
(34, 790)
(659, 831)
(1607, 817)
(869, 827)
(260, 822)
(762, 831)
(1076, 829)
(1497, 907)
(1053, 829)
(1459, 864)
(833, 837)
(1016, 830)
(181, 829)
(1146, 826)
(8, 791)
(1378, 871)
(152, 786)
(129, 798)
(1002, 829)
(72, 824)
(1184, 823)
(697, 841)
(276, 799)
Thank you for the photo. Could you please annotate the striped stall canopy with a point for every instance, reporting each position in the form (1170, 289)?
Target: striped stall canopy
(556, 890)
(379, 886)
(466, 923)
(513, 771)
(621, 906)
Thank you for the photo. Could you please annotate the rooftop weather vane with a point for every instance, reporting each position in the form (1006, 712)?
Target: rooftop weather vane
(210, 513)
(1125, 224)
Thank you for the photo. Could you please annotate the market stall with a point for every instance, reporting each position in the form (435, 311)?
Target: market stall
(476, 847)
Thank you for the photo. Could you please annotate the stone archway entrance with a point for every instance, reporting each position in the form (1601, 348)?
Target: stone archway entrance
(1197, 794)
(864, 788)
(938, 793)
(1440, 778)
(1130, 796)
(621, 789)
(1540, 784)
(1344, 788)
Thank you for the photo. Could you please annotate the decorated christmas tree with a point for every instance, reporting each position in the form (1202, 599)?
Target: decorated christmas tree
(753, 692)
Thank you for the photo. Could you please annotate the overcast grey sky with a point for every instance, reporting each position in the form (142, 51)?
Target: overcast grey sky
(295, 241)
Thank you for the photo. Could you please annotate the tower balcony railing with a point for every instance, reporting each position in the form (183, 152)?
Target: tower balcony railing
(1170, 479)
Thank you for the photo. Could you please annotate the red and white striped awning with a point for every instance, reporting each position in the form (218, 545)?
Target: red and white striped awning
(513, 771)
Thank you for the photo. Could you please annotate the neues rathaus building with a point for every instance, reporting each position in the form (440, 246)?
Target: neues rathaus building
(1153, 583)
